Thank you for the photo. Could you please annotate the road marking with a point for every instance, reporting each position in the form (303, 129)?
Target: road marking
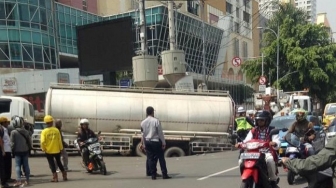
(217, 173)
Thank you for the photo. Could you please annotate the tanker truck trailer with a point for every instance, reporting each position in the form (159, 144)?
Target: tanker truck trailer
(192, 122)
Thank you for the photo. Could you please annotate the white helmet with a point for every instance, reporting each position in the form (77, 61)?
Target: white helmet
(17, 122)
(241, 110)
(84, 121)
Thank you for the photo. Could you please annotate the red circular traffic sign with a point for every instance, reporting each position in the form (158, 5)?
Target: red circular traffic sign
(262, 80)
(236, 61)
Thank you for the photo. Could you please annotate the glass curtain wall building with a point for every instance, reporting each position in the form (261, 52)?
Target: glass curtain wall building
(33, 32)
(188, 36)
(28, 30)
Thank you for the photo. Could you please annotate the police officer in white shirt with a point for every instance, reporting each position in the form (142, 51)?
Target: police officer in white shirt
(155, 143)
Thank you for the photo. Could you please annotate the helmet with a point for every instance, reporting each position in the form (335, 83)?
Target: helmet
(265, 115)
(48, 119)
(17, 122)
(300, 114)
(84, 121)
(241, 110)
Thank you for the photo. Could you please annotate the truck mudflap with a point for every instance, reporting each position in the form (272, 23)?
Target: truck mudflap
(110, 143)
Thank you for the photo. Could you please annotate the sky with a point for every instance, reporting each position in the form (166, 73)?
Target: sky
(328, 6)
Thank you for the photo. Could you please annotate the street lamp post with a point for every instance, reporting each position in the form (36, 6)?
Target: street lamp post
(277, 34)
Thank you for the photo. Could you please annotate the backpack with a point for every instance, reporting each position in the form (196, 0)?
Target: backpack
(2, 131)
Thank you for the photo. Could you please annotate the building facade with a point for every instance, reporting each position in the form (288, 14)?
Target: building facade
(309, 6)
(41, 34)
(323, 19)
(240, 43)
(34, 33)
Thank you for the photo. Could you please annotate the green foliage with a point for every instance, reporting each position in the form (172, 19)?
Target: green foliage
(307, 58)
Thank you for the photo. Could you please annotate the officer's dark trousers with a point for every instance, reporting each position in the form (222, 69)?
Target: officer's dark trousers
(2, 170)
(8, 166)
(154, 153)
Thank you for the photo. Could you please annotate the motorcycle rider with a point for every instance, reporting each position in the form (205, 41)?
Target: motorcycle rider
(242, 124)
(84, 134)
(301, 127)
(262, 131)
(310, 166)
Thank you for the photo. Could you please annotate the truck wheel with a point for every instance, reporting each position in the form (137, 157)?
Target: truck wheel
(138, 151)
(174, 152)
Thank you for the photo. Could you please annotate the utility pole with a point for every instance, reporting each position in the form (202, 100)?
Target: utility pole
(143, 31)
(203, 40)
(262, 64)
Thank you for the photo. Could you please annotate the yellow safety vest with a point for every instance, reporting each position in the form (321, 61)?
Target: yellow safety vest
(242, 124)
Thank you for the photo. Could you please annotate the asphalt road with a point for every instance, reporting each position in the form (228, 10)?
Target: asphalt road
(208, 170)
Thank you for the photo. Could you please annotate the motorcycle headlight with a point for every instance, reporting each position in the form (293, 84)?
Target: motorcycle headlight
(252, 145)
(97, 152)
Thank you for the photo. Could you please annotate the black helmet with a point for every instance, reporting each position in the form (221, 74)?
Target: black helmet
(265, 115)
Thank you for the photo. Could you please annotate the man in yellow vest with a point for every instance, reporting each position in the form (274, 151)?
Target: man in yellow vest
(242, 124)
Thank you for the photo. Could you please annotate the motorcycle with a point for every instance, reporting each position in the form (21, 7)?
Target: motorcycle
(96, 161)
(254, 166)
(295, 150)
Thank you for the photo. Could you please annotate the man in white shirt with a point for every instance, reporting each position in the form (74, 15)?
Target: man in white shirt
(4, 122)
(155, 143)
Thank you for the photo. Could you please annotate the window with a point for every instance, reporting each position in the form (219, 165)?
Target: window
(237, 12)
(247, 3)
(213, 19)
(5, 105)
(246, 17)
(237, 27)
(228, 7)
(192, 7)
(245, 50)
(236, 48)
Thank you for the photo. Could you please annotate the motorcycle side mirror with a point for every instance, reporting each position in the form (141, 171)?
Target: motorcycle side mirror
(99, 132)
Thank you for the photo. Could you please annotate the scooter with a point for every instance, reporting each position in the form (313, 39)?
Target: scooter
(254, 165)
(96, 161)
(295, 150)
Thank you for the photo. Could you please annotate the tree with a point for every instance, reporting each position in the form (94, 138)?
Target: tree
(307, 58)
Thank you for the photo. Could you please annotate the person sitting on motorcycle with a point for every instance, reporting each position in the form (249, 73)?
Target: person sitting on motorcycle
(262, 131)
(301, 127)
(84, 134)
(242, 124)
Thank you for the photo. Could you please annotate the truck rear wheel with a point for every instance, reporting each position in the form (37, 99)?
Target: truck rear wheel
(174, 152)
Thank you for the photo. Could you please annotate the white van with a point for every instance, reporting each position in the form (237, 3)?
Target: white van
(10, 106)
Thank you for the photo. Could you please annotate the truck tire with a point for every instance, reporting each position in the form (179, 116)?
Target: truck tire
(174, 152)
(138, 151)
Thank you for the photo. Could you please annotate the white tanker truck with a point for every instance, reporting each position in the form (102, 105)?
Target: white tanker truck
(193, 122)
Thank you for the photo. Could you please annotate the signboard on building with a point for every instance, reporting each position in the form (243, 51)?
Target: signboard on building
(9, 85)
(63, 78)
(125, 83)
(185, 84)
(91, 82)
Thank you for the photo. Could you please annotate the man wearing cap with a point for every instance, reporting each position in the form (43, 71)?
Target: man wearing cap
(51, 144)
(4, 122)
(155, 143)
(64, 154)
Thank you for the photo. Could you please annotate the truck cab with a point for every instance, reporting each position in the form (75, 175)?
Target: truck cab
(301, 101)
(10, 106)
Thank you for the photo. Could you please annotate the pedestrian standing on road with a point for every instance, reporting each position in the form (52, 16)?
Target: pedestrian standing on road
(21, 144)
(155, 143)
(51, 144)
(142, 147)
(4, 122)
(2, 161)
(64, 154)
